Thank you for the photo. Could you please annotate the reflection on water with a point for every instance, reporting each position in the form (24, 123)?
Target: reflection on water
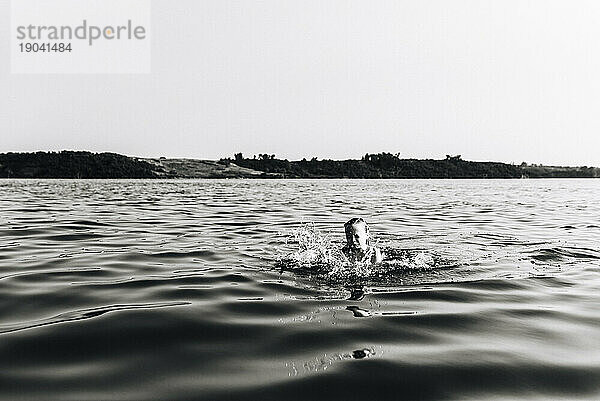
(184, 289)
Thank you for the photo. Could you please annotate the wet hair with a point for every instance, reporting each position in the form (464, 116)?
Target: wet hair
(355, 220)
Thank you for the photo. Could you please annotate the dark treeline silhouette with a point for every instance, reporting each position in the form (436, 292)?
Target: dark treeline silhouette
(536, 171)
(79, 164)
(70, 164)
(380, 165)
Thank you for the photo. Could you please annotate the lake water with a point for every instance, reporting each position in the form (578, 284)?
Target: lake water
(170, 290)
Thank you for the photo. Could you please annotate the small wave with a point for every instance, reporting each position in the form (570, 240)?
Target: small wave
(74, 237)
(84, 314)
(210, 255)
(564, 254)
(84, 224)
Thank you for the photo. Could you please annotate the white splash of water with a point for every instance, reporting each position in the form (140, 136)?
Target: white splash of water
(316, 253)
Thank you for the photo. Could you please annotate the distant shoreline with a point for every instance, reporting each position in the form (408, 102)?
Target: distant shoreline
(82, 164)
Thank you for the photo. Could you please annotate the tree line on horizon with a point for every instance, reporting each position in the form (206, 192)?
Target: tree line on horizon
(73, 164)
(82, 164)
(379, 165)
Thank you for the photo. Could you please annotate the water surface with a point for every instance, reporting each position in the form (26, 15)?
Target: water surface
(169, 290)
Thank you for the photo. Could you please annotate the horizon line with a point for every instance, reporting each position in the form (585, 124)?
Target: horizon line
(300, 159)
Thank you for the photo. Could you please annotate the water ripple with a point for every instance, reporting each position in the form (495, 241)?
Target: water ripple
(83, 314)
(172, 291)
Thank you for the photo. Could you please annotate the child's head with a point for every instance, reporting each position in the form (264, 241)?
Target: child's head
(357, 233)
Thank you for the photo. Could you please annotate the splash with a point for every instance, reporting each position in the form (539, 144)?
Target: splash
(316, 253)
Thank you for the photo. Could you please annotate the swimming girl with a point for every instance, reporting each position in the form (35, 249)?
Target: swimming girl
(358, 246)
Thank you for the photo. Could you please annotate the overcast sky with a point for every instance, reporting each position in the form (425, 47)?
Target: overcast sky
(498, 80)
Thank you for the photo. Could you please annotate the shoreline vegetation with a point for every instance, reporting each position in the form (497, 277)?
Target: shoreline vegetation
(82, 164)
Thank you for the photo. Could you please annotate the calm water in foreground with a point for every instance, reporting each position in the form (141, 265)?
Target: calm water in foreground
(167, 290)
